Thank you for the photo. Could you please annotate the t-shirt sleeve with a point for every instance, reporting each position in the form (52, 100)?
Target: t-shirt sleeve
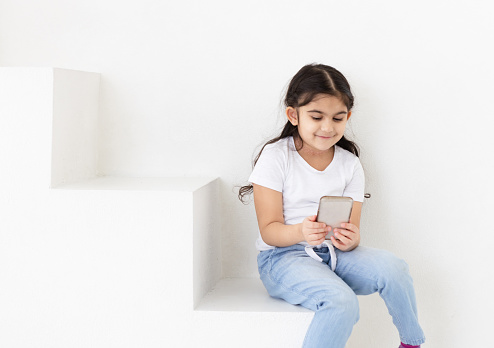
(269, 169)
(356, 185)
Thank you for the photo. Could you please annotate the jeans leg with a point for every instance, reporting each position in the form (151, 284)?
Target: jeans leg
(290, 274)
(369, 270)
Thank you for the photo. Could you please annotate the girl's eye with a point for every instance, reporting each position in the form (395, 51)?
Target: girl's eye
(338, 119)
(316, 118)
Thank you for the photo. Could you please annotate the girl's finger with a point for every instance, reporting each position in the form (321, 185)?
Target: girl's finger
(312, 218)
(318, 229)
(344, 239)
(315, 233)
(316, 241)
(337, 243)
(344, 232)
(318, 236)
(349, 227)
(316, 225)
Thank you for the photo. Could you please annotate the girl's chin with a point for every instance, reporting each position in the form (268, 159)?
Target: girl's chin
(319, 147)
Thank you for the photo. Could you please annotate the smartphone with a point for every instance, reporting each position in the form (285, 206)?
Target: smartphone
(333, 211)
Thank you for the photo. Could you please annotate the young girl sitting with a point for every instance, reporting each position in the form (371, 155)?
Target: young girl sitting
(310, 159)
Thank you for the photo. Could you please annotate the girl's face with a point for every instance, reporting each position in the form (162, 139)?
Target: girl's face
(321, 123)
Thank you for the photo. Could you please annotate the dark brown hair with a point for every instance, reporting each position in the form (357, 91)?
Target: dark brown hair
(311, 80)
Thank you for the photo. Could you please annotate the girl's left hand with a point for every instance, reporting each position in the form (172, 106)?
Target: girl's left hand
(347, 237)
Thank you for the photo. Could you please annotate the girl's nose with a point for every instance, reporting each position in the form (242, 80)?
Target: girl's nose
(327, 126)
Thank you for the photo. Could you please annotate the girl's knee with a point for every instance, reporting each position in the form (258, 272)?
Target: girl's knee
(344, 302)
(392, 267)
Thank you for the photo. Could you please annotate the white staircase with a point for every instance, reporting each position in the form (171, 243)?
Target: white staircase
(90, 261)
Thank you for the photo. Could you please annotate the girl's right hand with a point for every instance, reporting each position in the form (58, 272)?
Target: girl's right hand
(314, 232)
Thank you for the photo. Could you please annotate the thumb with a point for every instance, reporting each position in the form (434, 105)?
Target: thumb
(312, 218)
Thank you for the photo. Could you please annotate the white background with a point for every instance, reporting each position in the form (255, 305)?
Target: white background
(192, 88)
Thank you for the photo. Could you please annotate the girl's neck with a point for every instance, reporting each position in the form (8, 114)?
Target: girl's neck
(317, 159)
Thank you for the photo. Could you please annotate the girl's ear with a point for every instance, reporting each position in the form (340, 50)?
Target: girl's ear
(291, 114)
(348, 115)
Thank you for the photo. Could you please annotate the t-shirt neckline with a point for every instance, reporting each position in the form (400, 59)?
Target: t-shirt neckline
(307, 165)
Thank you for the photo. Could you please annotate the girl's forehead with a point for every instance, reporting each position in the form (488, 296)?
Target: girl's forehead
(326, 101)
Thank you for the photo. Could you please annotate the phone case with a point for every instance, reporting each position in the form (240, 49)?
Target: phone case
(334, 210)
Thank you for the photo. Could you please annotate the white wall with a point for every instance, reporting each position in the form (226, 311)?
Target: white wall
(193, 87)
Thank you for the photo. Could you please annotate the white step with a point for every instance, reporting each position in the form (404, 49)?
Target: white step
(245, 295)
(240, 310)
(119, 262)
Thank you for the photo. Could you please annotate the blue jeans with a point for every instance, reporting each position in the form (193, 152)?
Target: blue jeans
(290, 274)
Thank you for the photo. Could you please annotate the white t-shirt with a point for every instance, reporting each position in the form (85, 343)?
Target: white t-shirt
(281, 168)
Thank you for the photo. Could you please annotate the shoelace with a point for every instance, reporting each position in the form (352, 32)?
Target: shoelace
(310, 251)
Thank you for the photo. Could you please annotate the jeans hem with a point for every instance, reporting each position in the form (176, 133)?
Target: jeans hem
(416, 342)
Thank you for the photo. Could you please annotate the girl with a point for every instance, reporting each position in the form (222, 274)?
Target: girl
(312, 158)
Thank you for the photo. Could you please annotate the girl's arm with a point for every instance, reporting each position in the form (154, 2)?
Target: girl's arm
(274, 232)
